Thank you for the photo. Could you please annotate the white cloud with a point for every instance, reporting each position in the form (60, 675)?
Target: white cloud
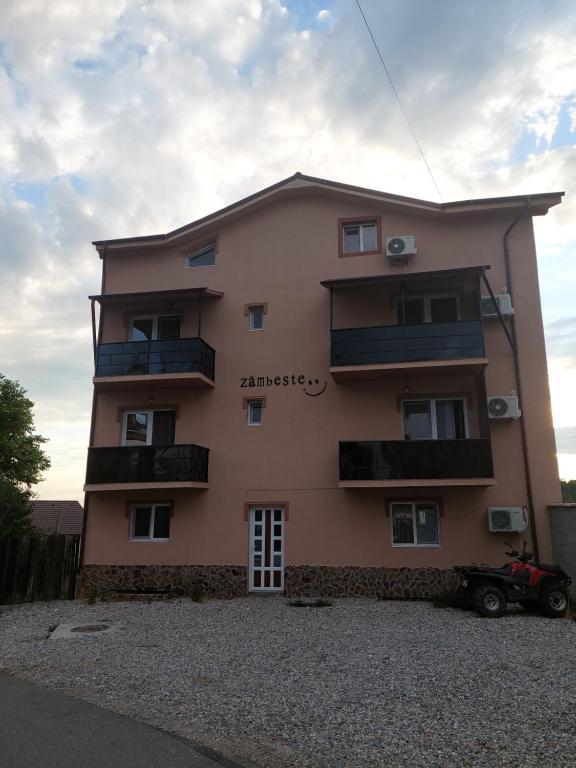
(124, 118)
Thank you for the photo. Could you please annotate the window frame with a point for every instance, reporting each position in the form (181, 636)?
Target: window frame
(152, 506)
(149, 425)
(414, 504)
(251, 308)
(426, 299)
(355, 222)
(211, 246)
(155, 318)
(433, 416)
(249, 403)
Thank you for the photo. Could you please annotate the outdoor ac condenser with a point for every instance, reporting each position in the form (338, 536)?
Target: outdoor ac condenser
(504, 407)
(504, 301)
(506, 520)
(400, 248)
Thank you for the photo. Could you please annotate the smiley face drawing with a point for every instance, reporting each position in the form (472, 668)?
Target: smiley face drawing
(314, 388)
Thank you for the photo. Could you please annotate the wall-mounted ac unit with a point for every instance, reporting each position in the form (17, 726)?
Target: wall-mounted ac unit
(504, 407)
(504, 301)
(400, 248)
(506, 520)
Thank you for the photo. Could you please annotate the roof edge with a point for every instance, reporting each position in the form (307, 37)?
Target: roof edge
(553, 198)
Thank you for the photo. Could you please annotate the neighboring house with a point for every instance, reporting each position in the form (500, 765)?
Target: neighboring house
(57, 516)
(312, 390)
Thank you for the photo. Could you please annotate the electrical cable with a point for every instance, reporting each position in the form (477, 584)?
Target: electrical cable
(404, 113)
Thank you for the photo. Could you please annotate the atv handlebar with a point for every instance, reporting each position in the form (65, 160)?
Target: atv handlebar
(523, 557)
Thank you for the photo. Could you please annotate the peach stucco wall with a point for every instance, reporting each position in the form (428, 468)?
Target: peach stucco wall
(279, 255)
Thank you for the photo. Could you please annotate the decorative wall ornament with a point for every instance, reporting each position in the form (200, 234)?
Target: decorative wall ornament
(312, 387)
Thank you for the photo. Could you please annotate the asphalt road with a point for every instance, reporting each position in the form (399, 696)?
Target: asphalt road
(40, 727)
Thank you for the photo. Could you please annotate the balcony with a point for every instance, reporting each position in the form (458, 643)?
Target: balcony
(404, 463)
(179, 362)
(141, 467)
(426, 323)
(384, 348)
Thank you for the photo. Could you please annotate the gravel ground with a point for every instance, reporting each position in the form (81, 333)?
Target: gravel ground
(362, 684)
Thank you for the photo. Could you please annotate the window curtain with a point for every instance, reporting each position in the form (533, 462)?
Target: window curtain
(417, 421)
(163, 428)
(450, 420)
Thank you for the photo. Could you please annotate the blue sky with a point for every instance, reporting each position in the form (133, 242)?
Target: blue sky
(123, 117)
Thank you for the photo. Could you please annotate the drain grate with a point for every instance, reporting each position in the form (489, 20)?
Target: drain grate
(78, 630)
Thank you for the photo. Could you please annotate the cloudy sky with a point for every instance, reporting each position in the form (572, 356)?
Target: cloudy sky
(127, 117)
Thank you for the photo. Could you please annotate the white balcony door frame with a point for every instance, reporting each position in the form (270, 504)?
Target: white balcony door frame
(266, 550)
(155, 320)
(427, 304)
(433, 418)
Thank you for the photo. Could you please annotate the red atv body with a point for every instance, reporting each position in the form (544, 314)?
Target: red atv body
(536, 587)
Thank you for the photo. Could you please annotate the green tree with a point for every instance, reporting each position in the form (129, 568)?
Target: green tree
(569, 490)
(22, 459)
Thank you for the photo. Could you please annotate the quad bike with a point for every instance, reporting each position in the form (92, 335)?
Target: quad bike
(536, 587)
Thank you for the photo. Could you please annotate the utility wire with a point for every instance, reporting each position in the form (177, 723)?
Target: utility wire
(399, 100)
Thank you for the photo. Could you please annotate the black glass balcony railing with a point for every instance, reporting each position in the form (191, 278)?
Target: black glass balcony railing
(133, 358)
(407, 343)
(415, 459)
(147, 464)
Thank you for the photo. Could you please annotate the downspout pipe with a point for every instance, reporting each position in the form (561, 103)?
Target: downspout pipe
(516, 358)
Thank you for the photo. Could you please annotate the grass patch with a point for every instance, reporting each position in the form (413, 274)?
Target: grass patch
(319, 602)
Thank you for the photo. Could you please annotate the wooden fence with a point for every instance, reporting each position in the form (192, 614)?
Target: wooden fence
(38, 568)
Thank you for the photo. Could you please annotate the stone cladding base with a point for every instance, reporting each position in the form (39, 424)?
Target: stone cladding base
(227, 581)
(351, 581)
(221, 581)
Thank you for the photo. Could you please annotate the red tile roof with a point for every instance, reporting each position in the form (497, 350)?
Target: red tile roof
(57, 516)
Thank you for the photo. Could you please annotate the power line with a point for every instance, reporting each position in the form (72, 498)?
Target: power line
(399, 100)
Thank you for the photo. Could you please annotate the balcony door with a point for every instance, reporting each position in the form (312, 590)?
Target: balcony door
(418, 310)
(155, 328)
(149, 428)
(435, 419)
(266, 549)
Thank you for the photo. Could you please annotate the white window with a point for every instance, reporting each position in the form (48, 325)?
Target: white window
(148, 428)
(150, 522)
(357, 238)
(155, 327)
(255, 410)
(203, 257)
(415, 524)
(435, 419)
(256, 317)
(417, 310)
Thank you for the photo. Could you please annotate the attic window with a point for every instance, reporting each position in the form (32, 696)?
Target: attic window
(203, 257)
(359, 236)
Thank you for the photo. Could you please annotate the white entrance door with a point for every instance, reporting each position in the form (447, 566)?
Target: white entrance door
(266, 549)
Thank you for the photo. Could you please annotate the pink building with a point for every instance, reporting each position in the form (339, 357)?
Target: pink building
(316, 387)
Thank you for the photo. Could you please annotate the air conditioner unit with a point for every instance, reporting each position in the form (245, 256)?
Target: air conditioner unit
(504, 301)
(399, 248)
(506, 407)
(506, 520)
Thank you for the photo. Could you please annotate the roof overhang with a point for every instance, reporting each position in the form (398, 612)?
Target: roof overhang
(121, 298)
(299, 184)
(403, 277)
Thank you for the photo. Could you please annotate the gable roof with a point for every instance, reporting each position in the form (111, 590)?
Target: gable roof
(299, 183)
(64, 517)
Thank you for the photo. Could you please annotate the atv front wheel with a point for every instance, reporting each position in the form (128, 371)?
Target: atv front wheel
(489, 601)
(553, 600)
